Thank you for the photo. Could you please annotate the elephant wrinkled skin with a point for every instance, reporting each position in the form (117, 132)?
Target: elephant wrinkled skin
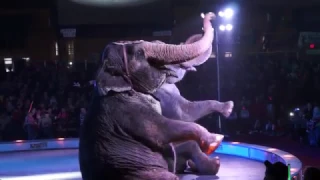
(175, 106)
(124, 134)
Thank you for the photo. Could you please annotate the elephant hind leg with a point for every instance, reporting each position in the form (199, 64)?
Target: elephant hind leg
(210, 166)
(198, 161)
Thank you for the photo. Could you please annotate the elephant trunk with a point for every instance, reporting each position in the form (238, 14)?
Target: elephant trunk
(176, 54)
(201, 58)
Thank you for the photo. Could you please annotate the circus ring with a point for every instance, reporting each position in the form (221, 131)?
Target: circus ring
(58, 159)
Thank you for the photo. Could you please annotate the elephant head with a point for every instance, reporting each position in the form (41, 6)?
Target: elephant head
(181, 69)
(143, 66)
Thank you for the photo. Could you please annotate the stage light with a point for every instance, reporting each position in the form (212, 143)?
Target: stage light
(229, 27)
(60, 139)
(228, 13)
(70, 63)
(26, 58)
(291, 114)
(221, 14)
(222, 27)
(18, 141)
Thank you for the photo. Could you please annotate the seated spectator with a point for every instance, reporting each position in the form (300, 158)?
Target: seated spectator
(312, 173)
(276, 171)
(257, 110)
(45, 124)
(308, 112)
(314, 127)
(83, 113)
(31, 126)
(62, 119)
(53, 101)
(4, 121)
(245, 120)
(232, 122)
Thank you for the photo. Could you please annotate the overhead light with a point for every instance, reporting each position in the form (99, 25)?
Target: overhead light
(222, 27)
(26, 58)
(229, 27)
(7, 62)
(228, 13)
(221, 13)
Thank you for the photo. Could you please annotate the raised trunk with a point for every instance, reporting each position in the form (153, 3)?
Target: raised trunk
(175, 54)
(200, 59)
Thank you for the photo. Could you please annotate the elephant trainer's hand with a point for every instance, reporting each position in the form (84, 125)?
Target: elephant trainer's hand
(206, 140)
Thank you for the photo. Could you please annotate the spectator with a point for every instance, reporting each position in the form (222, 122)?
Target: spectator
(308, 111)
(257, 114)
(31, 126)
(45, 124)
(62, 121)
(53, 101)
(4, 121)
(83, 113)
(276, 171)
(312, 173)
(314, 127)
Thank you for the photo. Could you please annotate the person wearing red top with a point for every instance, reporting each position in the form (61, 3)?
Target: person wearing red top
(62, 121)
(63, 115)
(31, 126)
(258, 112)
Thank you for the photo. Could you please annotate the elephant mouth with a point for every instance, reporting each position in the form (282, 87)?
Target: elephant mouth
(169, 72)
(188, 68)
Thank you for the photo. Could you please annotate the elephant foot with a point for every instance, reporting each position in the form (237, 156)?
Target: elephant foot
(227, 108)
(208, 167)
(214, 146)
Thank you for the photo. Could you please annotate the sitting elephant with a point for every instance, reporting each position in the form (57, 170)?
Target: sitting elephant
(176, 107)
(124, 134)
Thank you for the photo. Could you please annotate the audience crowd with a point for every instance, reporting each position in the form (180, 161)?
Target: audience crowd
(43, 102)
(273, 94)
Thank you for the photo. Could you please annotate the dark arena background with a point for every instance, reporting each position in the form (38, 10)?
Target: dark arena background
(265, 59)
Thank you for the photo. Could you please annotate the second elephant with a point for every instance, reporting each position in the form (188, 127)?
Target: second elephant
(176, 107)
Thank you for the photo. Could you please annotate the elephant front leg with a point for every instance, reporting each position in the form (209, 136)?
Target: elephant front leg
(193, 111)
(158, 131)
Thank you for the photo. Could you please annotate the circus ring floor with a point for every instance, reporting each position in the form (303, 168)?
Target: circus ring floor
(58, 160)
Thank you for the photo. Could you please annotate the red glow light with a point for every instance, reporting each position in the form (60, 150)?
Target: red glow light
(60, 139)
(312, 46)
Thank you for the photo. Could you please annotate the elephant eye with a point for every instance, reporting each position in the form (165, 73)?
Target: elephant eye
(139, 54)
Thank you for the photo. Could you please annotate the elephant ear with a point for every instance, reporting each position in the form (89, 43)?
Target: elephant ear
(112, 79)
